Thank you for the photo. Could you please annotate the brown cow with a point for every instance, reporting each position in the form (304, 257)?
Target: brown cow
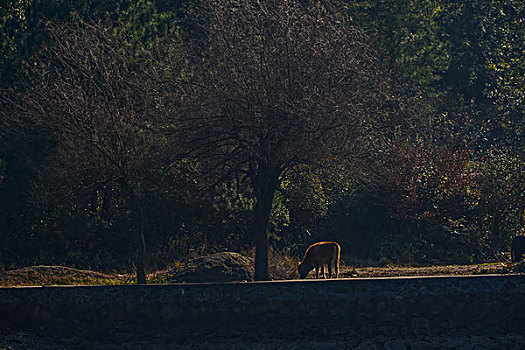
(317, 256)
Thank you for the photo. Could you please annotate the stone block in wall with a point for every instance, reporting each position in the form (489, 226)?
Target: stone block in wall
(425, 306)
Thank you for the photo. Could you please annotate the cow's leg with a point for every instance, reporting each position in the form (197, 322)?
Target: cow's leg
(336, 267)
(329, 269)
(317, 272)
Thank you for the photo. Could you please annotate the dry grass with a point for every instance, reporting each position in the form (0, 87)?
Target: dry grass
(59, 275)
(445, 270)
(282, 267)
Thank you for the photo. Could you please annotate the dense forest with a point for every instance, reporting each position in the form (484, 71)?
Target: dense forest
(137, 133)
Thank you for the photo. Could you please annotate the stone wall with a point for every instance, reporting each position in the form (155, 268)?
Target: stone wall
(389, 307)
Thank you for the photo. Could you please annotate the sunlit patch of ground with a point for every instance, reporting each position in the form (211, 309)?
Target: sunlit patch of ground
(60, 275)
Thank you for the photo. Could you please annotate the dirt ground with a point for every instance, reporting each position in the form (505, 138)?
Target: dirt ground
(60, 275)
(446, 270)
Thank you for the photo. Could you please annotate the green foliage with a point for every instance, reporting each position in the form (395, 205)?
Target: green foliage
(407, 33)
(68, 228)
(22, 26)
(13, 29)
(461, 60)
(452, 191)
(501, 207)
(402, 249)
(306, 197)
(357, 218)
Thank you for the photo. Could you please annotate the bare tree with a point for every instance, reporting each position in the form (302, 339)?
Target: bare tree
(276, 85)
(97, 104)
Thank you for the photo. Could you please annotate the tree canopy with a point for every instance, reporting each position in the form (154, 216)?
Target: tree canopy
(275, 86)
(394, 127)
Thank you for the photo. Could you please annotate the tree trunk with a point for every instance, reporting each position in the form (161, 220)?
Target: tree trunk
(138, 232)
(141, 246)
(264, 185)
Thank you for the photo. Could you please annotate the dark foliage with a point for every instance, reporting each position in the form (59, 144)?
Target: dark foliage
(186, 118)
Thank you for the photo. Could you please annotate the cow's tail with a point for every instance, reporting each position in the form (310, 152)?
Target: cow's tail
(337, 254)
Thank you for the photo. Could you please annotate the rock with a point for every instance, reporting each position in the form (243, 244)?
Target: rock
(326, 346)
(421, 345)
(220, 267)
(467, 346)
(395, 345)
(367, 345)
